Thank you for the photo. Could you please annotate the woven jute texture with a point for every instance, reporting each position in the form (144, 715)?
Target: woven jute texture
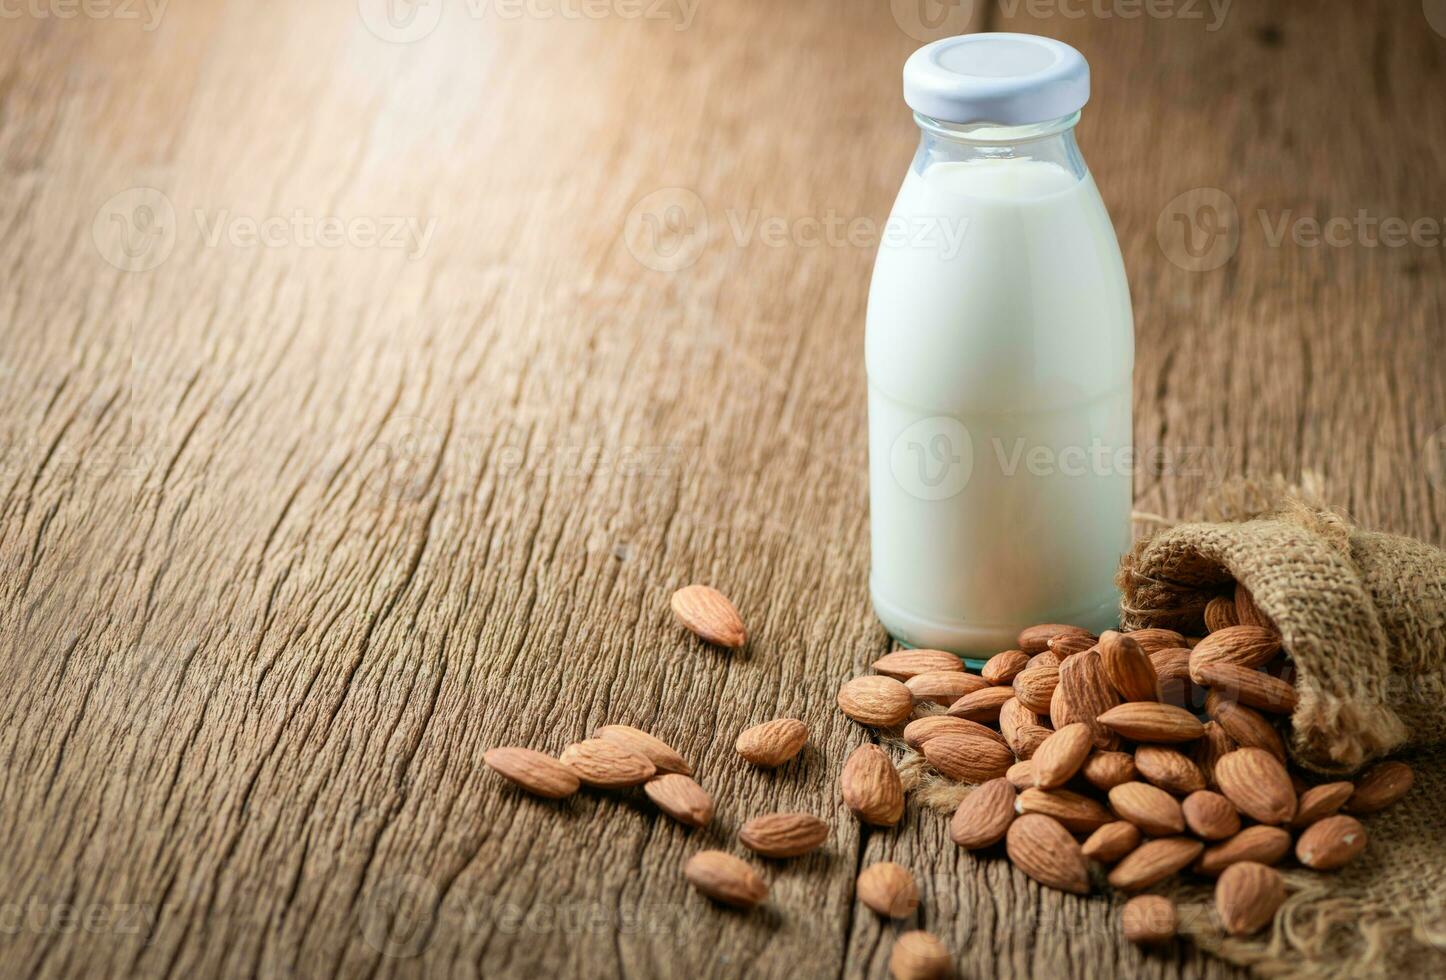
(1363, 616)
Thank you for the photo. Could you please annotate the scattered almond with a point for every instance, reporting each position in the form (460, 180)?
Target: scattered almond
(1088, 694)
(1213, 744)
(1242, 646)
(725, 878)
(782, 835)
(1060, 755)
(983, 705)
(709, 614)
(1247, 611)
(1149, 920)
(680, 798)
(1247, 895)
(1045, 659)
(1112, 841)
(918, 955)
(871, 786)
(1220, 614)
(606, 764)
(1381, 786)
(1156, 639)
(1076, 812)
(880, 702)
(1154, 861)
(1257, 783)
(1331, 843)
(1002, 667)
(903, 664)
(1210, 816)
(1128, 668)
(984, 815)
(1042, 848)
(1169, 768)
(1245, 726)
(920, 730)
(1250, 687)
(944, 686)
(660, 753)
(1320, 802)
(967, 757)
(1035, 686)
(772, 743)
(1150, 808)
(539, 774)
(1066, 645)
(1021, 775)
(1106, 770)
(888, 889)
(1150, 721)
(1035, 639)
(1028, 738)
(1260, 843)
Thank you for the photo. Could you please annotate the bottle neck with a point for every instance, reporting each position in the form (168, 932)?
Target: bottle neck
(1050, 142)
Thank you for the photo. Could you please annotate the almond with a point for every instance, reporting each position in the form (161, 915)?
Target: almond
(1243, 646)
(1248, 612)
(1220, 614)
(1128, 668)
(1035, 686)
(1210, 816)
(1259, 843)
(1169, 769)
(1381, 786)
(918, 955)
(1035, 639)
(709, 614)
(1045, 659)
(1078, 813)
(680, 798)
(1320, 802)
(1245, 726)
(1257, 783)
(920, 730)
(1088, 694)
(1112, 841)
(1028, 738)
(1154, 861)
(1041, 848)
(603, 763)
(725, 878)
(944, 686)
(1059, 710)
(1012, 714)
(1213, 744)
(903, 664)
(660, 753)
(1002, 667)
(880, 702)
(983, 705)
(1249, 687)
(1106, 770)
(539, 774)
(1150, 808)
(1021, 775)
(967, 757)
(1158, 639)
(1247, 895)
(984, 815)
(782, 835)
(871, 786)
(1059, 756)
(1149, 920)
(1331, 843)
(1150, 721)
(888, 889)
(1172, 669)
(772, 743)
(1066, 645)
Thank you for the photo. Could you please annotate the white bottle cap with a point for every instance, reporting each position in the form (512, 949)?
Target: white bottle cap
(1012, 79)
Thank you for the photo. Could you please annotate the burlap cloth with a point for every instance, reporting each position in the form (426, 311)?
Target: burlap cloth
(1363, 616)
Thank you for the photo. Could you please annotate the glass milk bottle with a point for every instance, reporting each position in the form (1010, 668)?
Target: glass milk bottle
(1000, 346)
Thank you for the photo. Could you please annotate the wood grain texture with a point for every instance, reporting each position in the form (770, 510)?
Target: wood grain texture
(291, 533)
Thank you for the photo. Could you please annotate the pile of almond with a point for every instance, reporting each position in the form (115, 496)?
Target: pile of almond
(1091, 761)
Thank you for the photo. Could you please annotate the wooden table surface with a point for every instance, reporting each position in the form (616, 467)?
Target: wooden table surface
(367, 385)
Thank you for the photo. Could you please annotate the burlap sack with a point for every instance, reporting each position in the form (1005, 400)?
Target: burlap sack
(1363, 616)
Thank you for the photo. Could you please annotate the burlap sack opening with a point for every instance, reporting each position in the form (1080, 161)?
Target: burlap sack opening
(1363, 616)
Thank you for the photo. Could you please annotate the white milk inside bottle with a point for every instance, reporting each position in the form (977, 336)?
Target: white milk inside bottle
(1000, 347)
